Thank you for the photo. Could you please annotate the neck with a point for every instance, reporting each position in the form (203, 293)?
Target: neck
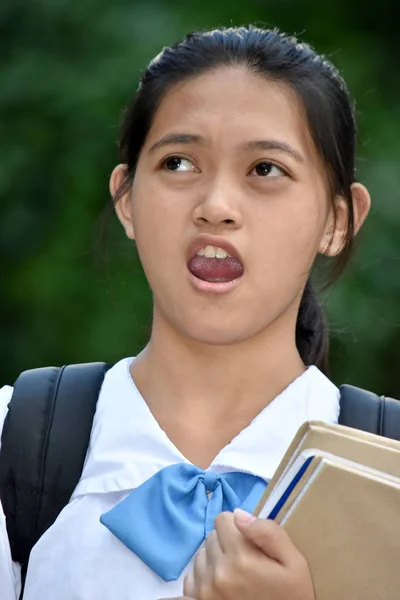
(221, 387)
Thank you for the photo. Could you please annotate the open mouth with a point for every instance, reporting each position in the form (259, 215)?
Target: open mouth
(214, 264)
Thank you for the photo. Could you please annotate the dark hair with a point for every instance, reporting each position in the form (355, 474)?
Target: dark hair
(327, 105)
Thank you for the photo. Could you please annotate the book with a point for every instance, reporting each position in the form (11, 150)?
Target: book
(337, 493)
(359, 446)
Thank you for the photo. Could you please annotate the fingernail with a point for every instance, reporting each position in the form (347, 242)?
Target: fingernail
(243, 517)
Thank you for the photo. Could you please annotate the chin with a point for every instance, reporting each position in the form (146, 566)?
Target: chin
(220, 333)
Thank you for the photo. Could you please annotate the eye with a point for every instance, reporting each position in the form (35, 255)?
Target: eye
(178, 163)
(267, 169)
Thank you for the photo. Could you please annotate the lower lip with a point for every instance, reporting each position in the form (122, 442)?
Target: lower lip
(208, 287)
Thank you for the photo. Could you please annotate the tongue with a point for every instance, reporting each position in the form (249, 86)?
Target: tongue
(215, 270)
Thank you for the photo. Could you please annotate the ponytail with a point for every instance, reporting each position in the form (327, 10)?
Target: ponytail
(312, 338)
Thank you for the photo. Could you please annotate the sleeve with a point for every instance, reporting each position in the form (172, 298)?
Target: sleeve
(10, 572)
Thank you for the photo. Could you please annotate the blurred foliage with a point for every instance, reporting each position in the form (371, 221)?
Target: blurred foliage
(67, 68)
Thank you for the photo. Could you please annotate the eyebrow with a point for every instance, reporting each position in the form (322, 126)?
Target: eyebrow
(178, 138)
(189, 138)
(275, 145)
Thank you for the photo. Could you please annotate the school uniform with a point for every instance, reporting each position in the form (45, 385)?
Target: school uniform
(119, 535)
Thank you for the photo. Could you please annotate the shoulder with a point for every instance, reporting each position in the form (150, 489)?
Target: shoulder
(118, 385)
(323, 398)
(5, 397)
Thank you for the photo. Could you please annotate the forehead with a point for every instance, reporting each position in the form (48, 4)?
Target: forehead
(236, 105)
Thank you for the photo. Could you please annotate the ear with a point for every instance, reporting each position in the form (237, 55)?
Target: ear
(123, 205)
(334, 237)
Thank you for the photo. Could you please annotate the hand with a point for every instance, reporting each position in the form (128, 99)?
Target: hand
(252, 558)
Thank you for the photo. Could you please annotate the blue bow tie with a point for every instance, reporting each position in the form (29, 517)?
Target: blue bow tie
(166, 519)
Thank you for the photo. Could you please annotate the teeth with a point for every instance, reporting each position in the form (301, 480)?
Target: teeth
(221, 253)
(210, 251)
(213, 252)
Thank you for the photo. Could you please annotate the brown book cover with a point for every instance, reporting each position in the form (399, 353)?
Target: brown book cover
(345, 519)
(371, 450)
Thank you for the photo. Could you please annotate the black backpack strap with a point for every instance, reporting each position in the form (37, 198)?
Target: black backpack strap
(367, 411)
(44, 443)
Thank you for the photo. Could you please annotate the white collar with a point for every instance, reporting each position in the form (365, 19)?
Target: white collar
(128, 446)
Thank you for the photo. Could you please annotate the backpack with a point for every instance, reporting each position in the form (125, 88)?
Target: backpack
(47, 431)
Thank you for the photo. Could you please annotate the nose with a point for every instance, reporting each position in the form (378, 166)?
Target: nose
(219, 207)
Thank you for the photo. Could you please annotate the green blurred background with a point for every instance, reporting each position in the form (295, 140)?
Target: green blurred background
(71, 287)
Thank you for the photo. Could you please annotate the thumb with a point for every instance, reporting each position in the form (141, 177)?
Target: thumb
(267, 535)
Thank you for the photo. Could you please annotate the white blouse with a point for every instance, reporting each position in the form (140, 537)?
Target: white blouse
(78, 558)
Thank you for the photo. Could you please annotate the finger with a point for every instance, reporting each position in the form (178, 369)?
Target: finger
(189, 586)
(227, 533)
(270, 537)
(213, 548)
(200, 569)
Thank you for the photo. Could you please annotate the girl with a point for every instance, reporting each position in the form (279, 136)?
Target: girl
(237, 172)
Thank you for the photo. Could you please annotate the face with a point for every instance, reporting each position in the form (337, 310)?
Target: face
(228, 163)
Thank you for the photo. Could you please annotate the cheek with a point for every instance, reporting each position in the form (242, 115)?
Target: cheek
(288, 240)
(158, 223)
